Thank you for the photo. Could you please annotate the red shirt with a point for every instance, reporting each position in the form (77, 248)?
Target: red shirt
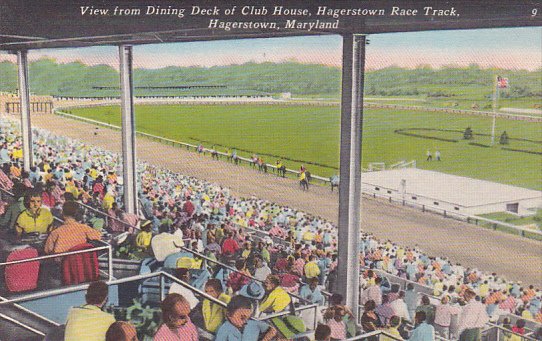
(229, 246)
(188, 207)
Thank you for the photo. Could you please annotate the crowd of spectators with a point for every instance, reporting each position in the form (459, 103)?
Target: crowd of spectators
(294, 263)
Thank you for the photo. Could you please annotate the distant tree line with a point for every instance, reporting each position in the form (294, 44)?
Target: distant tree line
(47, 77)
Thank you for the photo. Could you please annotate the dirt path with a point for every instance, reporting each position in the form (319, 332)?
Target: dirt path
(512, 256)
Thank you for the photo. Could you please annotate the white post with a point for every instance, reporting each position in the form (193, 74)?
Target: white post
(495, 103)
(350, 168)
(24, 99)
(128, 129)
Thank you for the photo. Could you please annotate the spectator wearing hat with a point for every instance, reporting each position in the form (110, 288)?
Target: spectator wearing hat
(277, 299)
(144, 237)
(176, 323)
(183, 275)
(238, 325)
(255, 292)
(213, 313)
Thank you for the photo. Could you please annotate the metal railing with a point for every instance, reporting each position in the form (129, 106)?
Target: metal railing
(106, 216)
(476, 220)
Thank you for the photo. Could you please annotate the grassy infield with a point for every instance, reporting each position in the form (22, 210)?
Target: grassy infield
(310, 135)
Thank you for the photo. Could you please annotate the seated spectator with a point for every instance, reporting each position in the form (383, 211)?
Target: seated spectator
(277, 299)
(34, 218)
(238, 325)
(322, 333)
(369, 321)
(213, 313)
(394, 324)
(9, 219)
(311, 269)
(334, 319)
(238, 278)
(443, 316)
(183, 275)
(176, 323)
(89, 322)
(255, 292)
(428, 309)
(144, 237)
(518, 329)
(121, 331)
(311, 292)
(165, 243)
(71, 233)
(422, 331)
(229, 245)
(261, 269)
(400, 307)
(385, 311)
(472, 319)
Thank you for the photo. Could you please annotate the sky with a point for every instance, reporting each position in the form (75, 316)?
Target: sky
(510, 48)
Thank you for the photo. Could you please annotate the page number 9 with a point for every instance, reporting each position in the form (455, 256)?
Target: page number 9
(534, 12)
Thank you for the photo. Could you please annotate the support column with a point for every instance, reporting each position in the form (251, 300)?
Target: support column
(24, 98)
(128, 129)
(350, 168)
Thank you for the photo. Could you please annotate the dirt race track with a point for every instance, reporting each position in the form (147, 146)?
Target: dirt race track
(514, 257)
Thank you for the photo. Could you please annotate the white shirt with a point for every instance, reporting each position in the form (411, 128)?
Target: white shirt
(262, 273)
(473, 315)
(163, 245)
(185, 292)
(400, 308)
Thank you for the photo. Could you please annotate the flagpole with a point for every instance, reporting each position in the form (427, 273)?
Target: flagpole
(495, 101)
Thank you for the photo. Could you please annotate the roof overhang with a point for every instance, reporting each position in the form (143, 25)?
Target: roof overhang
(28, 25)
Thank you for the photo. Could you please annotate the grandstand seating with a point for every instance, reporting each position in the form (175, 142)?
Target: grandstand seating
(163, 195)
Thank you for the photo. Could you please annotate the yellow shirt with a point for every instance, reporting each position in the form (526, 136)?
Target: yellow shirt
(87, 323)
(213, 313)
(17, 153)
(392, 332)
(28, 223)
(438, 288)
(278, 300)
(308, 236)
(484, 290)
(108, 201)
(311, 270)
(143, 239)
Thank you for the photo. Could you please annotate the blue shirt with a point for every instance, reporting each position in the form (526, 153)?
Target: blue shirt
(423, 332)
(251, 331)
(312, 296)
(4, 155)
